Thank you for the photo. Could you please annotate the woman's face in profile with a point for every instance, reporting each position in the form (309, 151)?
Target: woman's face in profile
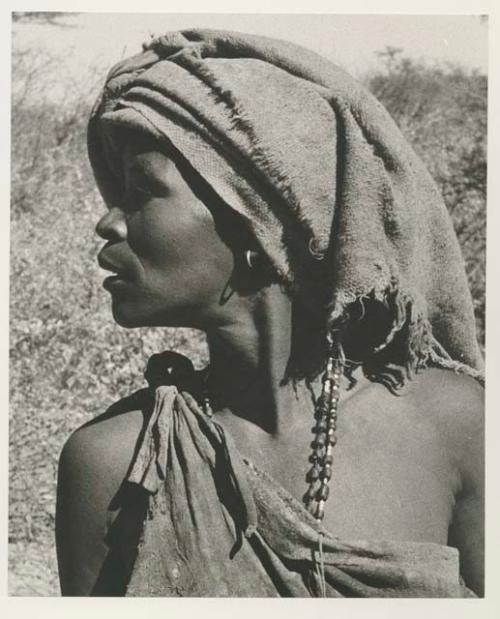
(170, 265)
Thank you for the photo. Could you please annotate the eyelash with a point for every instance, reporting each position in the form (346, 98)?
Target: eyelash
(141, 190)
(135, 194)
(127, 202)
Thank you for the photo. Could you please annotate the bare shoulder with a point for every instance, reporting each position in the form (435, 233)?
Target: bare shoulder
(106, 443)
(91, 494)
(451, 397)
(454, 404)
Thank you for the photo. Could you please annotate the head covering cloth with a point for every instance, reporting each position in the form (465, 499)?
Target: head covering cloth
(343, 208)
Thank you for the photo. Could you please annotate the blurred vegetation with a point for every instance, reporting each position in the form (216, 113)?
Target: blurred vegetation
(442, 110)
(68, 360)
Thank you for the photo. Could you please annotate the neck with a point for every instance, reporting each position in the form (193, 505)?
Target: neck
(248, 359)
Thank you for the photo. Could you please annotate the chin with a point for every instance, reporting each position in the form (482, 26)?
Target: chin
(127, 322)
(129, 316)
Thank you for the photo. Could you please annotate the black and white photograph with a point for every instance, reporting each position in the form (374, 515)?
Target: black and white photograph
(247, 305)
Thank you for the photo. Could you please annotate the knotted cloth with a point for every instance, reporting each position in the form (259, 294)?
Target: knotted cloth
(341, 205)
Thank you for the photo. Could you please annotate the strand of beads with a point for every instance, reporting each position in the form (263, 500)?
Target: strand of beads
(325, 439)
(206, 405)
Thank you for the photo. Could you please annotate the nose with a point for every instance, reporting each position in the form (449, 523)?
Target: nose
(113, 226)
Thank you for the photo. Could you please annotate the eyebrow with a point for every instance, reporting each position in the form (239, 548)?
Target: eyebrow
(138, 169)
(142, 168)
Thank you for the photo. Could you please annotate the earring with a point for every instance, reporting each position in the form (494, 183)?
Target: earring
(251, 258)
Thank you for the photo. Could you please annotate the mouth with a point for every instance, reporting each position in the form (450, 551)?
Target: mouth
(112, 282)
(109, 265)
(119, 277)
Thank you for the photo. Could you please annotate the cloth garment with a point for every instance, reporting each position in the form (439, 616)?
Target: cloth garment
(218, 526)
(339, 202)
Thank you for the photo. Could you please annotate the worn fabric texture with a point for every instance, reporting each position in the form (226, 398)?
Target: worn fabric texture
(343, 208)
(218, 526)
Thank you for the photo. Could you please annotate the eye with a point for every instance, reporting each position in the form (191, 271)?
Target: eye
(144, 182)
(145, 186)
(142, 189)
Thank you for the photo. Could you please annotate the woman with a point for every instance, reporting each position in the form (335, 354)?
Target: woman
(258, 193)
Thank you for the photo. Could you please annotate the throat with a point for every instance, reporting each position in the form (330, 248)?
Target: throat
(259, 397)
(247, 376)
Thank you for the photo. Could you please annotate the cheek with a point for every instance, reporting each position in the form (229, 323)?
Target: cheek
(180, 250)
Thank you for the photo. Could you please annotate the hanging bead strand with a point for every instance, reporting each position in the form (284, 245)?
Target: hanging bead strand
(206, 405)
(320, 474)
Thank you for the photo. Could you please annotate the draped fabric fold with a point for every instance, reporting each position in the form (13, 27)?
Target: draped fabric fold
(218, 526)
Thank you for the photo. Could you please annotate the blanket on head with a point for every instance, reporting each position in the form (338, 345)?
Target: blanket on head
(339, 202)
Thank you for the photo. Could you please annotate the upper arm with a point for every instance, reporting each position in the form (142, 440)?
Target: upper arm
(467, 534)
(92, 466)
(467, 444)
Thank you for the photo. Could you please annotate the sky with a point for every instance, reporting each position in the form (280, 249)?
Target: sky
(100, 39)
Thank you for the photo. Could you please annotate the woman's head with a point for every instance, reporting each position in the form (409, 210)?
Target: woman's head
(175, 250)
(349, 220)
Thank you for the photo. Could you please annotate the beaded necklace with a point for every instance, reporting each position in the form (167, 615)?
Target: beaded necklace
(325, 439)
(320, 473)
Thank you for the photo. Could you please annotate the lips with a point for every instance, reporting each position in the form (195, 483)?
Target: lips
(113, 283)
(108, 262)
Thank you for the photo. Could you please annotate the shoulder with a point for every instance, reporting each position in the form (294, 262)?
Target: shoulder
(451, 399)
(445, 407)
(101, 450)
(453, 404)
(90, 494)
(456, 404)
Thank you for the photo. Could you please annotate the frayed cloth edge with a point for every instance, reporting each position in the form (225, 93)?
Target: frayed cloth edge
(421, 349)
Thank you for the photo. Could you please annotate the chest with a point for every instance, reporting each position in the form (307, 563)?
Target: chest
(392, 478)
